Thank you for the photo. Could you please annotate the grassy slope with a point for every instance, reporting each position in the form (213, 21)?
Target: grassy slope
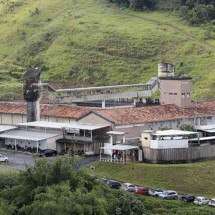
(6, 170)
(90, 42)
(196, 178)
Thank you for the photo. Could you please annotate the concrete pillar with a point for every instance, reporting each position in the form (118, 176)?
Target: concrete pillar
(15, 145)
(123, 140)
(103, 104)
(33, 111)
(111, 140)
(37, 146)
(100, 154)
(135, 102)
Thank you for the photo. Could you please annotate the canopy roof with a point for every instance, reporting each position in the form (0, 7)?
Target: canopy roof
(57, 125)
(206, 128)
(173, 133)
(28, 135)
(204, 138)
(120, 147)
(210, 130)
(115, 132)
(4, 128)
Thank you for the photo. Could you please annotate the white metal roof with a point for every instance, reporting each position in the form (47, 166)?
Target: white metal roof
(173, 133)
(205, 127)
(204, 138)
(120, 147)
(58, 125)
(28, 135)
(115, 132)
(6, 128)
(210, 130)
(101, 88)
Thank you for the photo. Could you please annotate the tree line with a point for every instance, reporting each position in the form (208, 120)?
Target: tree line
(194, 11)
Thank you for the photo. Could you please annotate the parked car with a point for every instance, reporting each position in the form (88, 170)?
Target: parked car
(168, 194)
(141, 190)
(114, 184)
(103, 180)
(128, 187)
(212, 203)
(48, 153)
(187, 198)
(201, 200)
(155, 192)
(3, 158)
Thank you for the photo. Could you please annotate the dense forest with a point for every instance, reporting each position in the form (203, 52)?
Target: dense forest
(194, 11)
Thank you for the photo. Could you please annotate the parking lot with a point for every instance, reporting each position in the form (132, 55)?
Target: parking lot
(18, 160)
(157, 192)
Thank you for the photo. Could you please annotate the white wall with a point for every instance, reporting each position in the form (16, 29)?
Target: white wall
(169, 144)
(92, 117)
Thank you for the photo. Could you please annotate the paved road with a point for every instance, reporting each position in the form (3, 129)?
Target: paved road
(86, 161)
(20, 160)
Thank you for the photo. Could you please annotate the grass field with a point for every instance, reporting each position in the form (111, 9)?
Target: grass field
(6, 170)
(157, 206)
(195, 178)
(92, 42)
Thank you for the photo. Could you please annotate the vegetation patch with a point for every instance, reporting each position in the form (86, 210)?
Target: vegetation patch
(195, 178)
(91, 43)
(57, 188)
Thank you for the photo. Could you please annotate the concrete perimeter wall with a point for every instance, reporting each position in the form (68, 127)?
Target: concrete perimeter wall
(190, 154)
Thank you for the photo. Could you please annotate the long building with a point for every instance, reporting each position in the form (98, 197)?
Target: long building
(131, 120)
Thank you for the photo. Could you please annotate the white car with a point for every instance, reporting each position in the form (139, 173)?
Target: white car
(155, 192)
(212, 203)
(201, 200)
(3, 158)
(128, 187)
(168, 194)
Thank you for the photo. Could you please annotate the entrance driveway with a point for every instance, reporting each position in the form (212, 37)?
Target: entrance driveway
(21, 160)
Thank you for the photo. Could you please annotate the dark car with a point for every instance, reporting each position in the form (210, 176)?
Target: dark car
(113, 184)
(187, 198)
(141, 190)
(48, 153)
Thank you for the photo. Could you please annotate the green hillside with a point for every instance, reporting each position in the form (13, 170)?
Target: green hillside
(92, 42)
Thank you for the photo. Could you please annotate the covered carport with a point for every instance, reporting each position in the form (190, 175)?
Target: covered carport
(35, 140)
(5, 128)
(119, 153)
(77, 138)
(206, 130)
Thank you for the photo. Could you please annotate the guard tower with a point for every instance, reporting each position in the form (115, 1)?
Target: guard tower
(166, 70)
(31, 92)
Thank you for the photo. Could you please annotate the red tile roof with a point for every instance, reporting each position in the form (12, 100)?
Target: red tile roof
(120, 115)
(134, 115)
(61, 111)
